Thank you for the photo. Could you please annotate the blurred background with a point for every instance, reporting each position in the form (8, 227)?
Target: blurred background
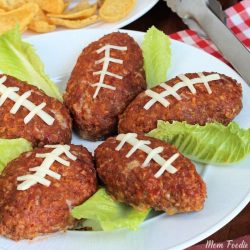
(164, 19)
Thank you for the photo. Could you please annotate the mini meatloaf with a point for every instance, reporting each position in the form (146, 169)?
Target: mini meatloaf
(107, 77)
(27, 112)
(29, 209)
(197, 98)
(148, 173)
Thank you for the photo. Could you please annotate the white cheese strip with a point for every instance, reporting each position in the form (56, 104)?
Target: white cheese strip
(53, 157)
(151, 155)
(114, 60)
(44, 169)
(66, 150)
(166, 165)
(33, 177)
(188, 83)
(106, 60)
(155, 97)
(205, 81)
(185, 82)
(5, 95)
(171, 91)
(66, 147)
(34, 112)
(21, 101)
(108, 74)
(124, 138)
(102, 85)
(109, 46)
(138, 145)
(27, 183)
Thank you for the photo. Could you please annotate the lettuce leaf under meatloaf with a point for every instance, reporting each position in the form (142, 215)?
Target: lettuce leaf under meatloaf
(10, 149)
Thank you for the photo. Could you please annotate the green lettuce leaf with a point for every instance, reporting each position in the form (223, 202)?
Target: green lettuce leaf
(212, 143)
(11, 149)
(19, 59)
(108, 213)
(157, 56)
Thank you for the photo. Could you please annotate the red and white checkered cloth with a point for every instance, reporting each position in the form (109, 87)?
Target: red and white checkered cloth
(238, 20)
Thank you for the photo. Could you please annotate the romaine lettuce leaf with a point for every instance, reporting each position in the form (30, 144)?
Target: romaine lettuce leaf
(11, 149)
(108, 213)
(212, 143)
(157, 56)
(19, 59)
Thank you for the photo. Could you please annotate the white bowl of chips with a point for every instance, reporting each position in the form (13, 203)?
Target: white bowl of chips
(41, 16)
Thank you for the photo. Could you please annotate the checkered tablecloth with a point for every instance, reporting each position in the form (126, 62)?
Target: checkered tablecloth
(238, 20)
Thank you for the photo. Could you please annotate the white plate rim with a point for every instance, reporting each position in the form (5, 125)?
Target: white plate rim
(132, 16)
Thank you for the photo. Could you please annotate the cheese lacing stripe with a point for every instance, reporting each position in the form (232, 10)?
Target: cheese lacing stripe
(166, 165)
(172, 91)
(10, 92)
(124, 139)
(138, 145)
(35, 111)
(205, 81)
(44, 169)
(6, 94)
(19, 102)
(153, 154)
(66, 151)
(106, 60)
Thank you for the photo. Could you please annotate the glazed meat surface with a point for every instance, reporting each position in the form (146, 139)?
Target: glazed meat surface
(25, 214)
(221, 105)
(127, 180)
(36, 131)
(96, 117)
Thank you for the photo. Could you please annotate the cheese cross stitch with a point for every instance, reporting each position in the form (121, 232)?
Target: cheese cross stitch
(153, 154)
(10, 92)
(106, 60)
(172, 91)
(44, 169)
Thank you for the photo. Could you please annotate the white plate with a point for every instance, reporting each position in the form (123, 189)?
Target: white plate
(141, 7)
(228, 186)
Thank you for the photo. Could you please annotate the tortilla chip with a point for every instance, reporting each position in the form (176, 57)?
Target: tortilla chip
(41, 26)
(51, 6)
(40, 23)
(66, 4)
(11, 4)
(100, 3)
(79, 14)
(115, 10)
(83, 4)
(21, 16)
(40, 15)
(75, 24)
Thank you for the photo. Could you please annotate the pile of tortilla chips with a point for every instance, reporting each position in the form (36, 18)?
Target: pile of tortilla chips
(45, 15)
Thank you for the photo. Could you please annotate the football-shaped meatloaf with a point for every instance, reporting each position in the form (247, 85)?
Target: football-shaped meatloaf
(148, 173)
(196, 98)
(38, 190)
(27, 112)
(106, 78)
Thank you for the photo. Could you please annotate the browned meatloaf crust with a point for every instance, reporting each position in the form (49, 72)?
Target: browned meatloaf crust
(97, 118)
(222, 105)
(40, 209)
(36, 131)
(128, 182)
